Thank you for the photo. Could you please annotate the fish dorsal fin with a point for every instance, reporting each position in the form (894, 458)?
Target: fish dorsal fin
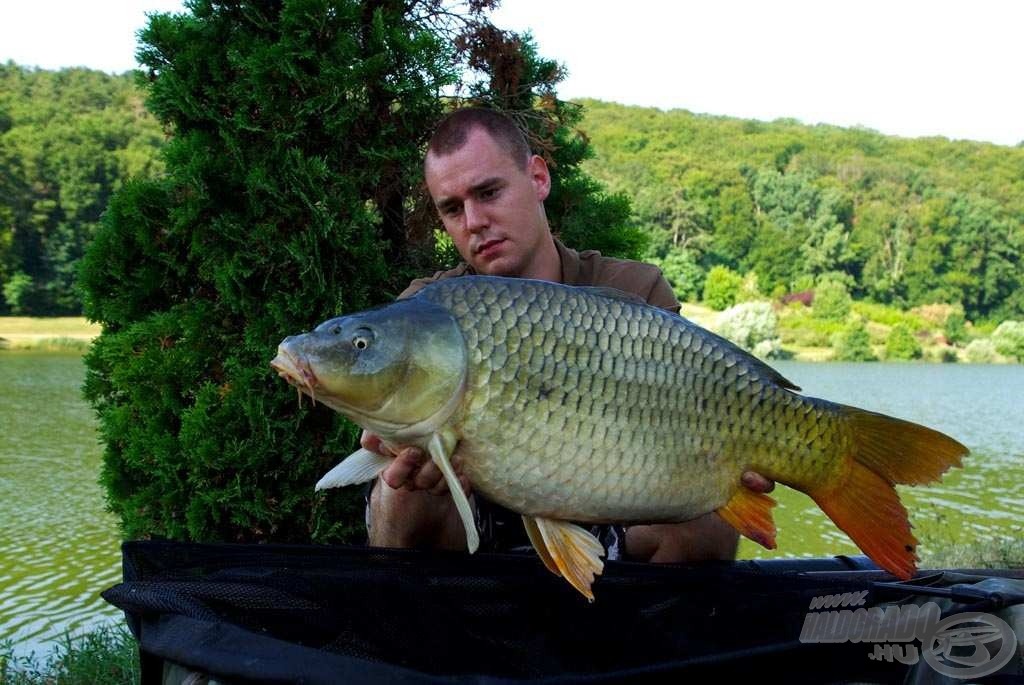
(439, 454)
(358, 467)
(613, 293)
(575, 553)
(760, 367)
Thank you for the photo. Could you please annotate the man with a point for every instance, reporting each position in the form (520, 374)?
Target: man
(489, 191)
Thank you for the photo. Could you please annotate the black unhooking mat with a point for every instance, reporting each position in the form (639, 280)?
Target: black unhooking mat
(317, 614)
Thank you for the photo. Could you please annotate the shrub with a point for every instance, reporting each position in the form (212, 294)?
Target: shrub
(832, 301)
(901, 344)
(722, 287)
(889, 315)
(853, 344)
(981, 351)
(955, 328)
(750, 325)
(1009, 339)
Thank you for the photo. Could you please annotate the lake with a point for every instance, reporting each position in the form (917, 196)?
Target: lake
(59, 547)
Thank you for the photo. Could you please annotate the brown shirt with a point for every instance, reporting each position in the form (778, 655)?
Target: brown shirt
(589, 267)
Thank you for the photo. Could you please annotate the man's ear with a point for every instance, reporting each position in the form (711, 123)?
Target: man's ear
(537, 168)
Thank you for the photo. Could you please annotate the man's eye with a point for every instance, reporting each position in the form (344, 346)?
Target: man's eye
(488, 194)
(452, 210)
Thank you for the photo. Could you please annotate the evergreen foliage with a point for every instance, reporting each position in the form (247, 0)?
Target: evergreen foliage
(297, 133)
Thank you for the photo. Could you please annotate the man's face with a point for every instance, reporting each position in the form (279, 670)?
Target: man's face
(491, 205)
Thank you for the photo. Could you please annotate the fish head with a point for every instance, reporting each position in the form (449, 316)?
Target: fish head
(386, 369)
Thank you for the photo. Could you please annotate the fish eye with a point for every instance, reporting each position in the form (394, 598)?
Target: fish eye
(362, 338)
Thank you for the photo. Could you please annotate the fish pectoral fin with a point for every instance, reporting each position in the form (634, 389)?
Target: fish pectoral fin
(751, 514)
(439, 455)
(358, 467)
(538, 544)
(575, 553)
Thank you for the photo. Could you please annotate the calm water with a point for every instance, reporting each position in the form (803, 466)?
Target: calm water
(59, 548)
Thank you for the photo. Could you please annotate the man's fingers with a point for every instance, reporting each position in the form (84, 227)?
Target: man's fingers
(428, 477)
(403, 469)
(757, 482)
(373, 442)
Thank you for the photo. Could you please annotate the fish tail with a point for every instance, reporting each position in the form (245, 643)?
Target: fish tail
(862, 500)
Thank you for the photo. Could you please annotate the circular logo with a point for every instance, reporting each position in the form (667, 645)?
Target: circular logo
(958, 645)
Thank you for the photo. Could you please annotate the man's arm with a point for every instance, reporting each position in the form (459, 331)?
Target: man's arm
(410, 505)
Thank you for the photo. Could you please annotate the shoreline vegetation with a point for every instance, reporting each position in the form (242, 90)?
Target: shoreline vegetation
(790, 331)
(47, 334)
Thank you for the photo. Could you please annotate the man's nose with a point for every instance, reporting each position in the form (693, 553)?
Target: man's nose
(476, 217)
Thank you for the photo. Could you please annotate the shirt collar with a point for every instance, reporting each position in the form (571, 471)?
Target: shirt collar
(570, 259)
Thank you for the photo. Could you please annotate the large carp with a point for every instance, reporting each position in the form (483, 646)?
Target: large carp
(586, 404)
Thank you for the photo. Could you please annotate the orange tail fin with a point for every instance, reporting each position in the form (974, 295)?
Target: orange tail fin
(864, 503)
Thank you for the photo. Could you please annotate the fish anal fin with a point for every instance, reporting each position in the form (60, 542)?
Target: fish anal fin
(750, 513)
(574, 551)
(867, 508)
(358, 467)
(538, 544)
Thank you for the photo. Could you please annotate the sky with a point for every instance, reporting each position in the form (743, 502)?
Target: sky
(902, 67)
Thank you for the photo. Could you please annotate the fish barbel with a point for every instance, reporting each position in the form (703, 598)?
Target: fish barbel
(575, 404)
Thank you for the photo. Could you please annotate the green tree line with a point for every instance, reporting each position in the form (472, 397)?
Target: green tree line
(899, 221)
(68, 140)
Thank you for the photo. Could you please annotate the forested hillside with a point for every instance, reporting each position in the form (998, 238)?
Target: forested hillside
(905, 222)
(68, 139)
(900, 221)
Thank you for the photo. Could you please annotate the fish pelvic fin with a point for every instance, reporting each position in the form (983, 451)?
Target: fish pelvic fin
(863, 500)
(750, 513)
(358, 467)
(901, 451)
(572, 550)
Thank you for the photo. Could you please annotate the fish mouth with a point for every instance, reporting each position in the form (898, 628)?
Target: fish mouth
(297, 371)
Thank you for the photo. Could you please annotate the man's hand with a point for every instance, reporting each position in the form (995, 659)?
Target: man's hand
(412, 469)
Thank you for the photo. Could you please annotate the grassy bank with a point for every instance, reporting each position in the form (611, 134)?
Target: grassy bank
(49, 334)
(107, 655)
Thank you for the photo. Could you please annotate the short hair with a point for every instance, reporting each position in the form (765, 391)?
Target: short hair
(453, 130)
